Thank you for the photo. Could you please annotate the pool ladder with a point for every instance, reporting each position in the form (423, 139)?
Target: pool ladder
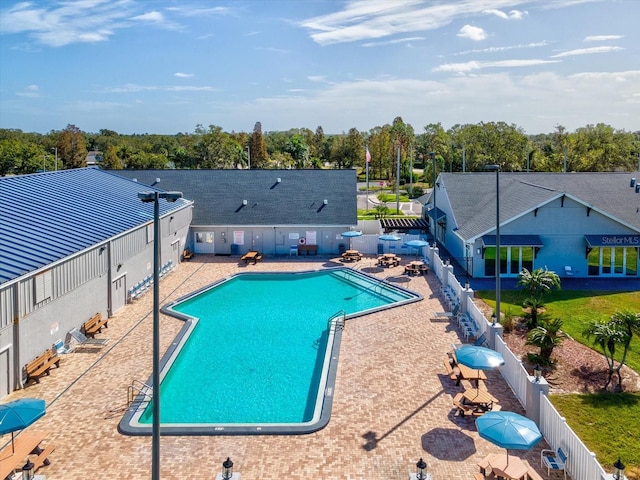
(337, 321)
(138, 388)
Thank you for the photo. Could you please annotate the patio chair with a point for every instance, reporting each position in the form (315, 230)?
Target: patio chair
(554, 460)
(76, 335)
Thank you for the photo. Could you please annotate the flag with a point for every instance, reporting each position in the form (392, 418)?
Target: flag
(368, 155)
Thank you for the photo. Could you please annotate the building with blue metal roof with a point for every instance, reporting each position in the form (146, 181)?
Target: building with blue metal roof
(73, 243)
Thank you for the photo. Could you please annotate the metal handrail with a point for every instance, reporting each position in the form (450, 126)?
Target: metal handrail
(138, 388)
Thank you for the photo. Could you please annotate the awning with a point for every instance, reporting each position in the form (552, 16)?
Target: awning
(513, 241)
(403, 224)
(441, 214)
(612, 240)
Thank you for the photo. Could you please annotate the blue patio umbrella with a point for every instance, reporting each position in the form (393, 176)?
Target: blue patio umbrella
(350, 234)
(389, 237)
(419, 244)
(19, 414)
(479, 358)
(508, 430)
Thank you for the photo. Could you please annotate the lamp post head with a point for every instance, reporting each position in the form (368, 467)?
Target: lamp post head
(421, 470)
(537, 373)
(227, 469)
(492, 168)
(618, 470)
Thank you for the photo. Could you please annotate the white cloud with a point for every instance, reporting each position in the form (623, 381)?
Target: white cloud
(150, 17)
(544, 43)
(189, 11)
(512, 15)
(602, 38)
(373, 19)
(478, 65)
(392, 42)
(135, 88)
(536, 102)
(183, 75)
(30, 91)
(587, 51)
(57, 24)
(316, 78)
(472, 33)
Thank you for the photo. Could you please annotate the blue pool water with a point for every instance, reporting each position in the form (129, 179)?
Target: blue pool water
(261, 350)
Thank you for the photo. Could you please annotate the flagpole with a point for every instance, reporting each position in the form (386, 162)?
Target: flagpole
(367, 159)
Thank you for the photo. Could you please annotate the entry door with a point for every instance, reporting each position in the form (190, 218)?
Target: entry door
(5, 379)
(204, 242)
(119, 293)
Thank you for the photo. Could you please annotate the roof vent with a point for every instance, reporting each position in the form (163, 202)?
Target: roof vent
(632, 183)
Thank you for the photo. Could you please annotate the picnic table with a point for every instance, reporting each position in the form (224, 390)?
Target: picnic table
(467, 373)
(26, 443)
(508, 467)
(252, 256)
(476, 396)
(351, 256)
(389, 260)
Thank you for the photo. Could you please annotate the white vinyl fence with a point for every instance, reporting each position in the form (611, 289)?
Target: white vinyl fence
(581, 463)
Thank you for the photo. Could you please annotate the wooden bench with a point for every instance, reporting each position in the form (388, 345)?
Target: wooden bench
(478, 476)
(94, 325)
(531, 473)
(41, 365)
(449, 369)
(466, 409)
(187, 254)
(42, 459)
(484, 465)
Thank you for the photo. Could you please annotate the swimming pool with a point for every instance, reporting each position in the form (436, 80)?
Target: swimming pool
(258, 352)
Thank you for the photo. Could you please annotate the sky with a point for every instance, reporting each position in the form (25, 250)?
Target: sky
(167, 66)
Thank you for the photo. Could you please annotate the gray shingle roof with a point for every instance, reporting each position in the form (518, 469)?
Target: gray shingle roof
(296, 200)
(472, 196)
(47, 216)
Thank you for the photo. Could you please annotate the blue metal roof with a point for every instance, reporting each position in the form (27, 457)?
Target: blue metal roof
(45, 217)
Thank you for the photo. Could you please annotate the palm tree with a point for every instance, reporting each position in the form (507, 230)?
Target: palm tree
(629, 322)
(537, 283)
(546, 336)
(607, 335)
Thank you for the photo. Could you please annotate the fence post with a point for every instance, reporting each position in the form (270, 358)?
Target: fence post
(495, 330)
(534, 390)
(431, 253)
(466, 296)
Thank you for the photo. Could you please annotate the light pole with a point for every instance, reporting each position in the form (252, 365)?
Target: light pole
(435, 210)
(496, 168)
(55, 149)
(249, 155)
(398, 183)
(154, 197)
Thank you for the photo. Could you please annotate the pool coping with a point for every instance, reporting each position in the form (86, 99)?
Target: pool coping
(129, 424)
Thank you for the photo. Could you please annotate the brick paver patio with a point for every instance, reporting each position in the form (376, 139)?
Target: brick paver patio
(392, 400)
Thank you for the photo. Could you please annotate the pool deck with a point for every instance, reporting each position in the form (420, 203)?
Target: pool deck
(392, 401)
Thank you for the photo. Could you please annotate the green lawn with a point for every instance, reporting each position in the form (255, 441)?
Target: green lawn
(608, 425)
(576, 309)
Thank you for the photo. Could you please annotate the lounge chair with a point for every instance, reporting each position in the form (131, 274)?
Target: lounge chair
(76, 335)
(451, 314)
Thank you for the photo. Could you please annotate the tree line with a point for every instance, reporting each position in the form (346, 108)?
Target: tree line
(468, 147)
